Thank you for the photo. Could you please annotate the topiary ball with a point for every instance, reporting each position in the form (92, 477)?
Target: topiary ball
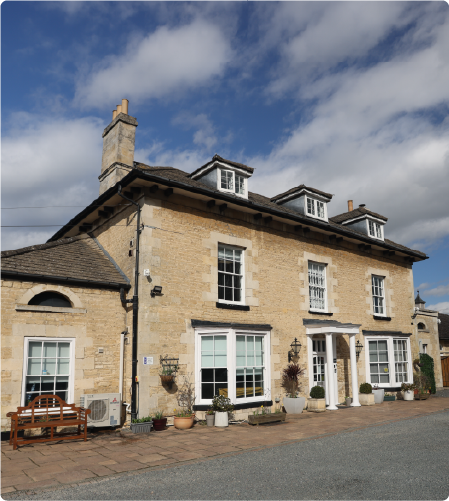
(366, 388)
(317, 392)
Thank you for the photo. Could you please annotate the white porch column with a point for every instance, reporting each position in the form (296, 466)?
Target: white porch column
(354, 379)
(330, 372)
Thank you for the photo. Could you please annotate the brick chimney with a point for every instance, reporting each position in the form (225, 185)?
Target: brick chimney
(350, 206)
(118, 147)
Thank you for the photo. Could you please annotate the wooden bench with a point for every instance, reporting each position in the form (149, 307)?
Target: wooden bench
(47, 411)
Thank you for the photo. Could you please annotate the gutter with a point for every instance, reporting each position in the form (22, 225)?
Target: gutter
(140, 174)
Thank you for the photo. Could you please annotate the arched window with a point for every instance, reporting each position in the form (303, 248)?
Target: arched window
(421, 326)
(50, 298)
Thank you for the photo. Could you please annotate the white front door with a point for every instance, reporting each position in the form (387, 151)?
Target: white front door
(320, 369)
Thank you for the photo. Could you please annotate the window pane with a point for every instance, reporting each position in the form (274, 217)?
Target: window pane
(34, 366)
(221, 251)
(207, 391)
(258, 382)
(35, 349)
(221, 375)
(221, 264)
(320, 209)
(50, 350)
(237, 295)
(382, 345)
(240, 185)
(374, 378)
(63, 366)
(228, 294)
(310, 206)
(207, 343)
(49, 366)
(207, 375)
(48, 384)
(64, 350)
(220, 361)
(220, 343)
(33, 384)
(373, 346)
(240, 383)
(207, 359)
(221, 293)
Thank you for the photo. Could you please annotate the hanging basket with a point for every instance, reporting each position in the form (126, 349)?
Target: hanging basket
(167, 379)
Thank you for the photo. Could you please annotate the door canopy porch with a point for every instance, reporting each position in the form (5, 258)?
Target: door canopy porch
(332, 328)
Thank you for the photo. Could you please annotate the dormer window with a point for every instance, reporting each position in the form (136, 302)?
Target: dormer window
(375, 230)
(316, 208)
(230, 181)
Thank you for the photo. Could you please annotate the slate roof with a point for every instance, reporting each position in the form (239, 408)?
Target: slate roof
(180, 179)
(443, 327)
(230, 162)
(360, 211)
(73, 259)
(298, 188)
(418, 299)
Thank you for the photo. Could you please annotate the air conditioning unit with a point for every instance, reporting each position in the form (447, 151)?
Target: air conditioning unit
(105, 408)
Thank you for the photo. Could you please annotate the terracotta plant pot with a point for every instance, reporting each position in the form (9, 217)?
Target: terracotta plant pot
(184, 423)
(159, 424)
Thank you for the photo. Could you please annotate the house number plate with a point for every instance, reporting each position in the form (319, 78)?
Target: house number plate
(147, 360)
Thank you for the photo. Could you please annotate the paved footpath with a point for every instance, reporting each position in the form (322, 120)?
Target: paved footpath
(41, 466)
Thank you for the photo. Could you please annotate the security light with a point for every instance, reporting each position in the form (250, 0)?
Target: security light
(157, 291)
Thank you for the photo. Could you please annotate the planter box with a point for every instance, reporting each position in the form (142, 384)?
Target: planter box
(266, 418)
(422, 396)
(294, 405)
(141, 427)
(316, 404)
(389, 398)
(366, 399)
(378, 396)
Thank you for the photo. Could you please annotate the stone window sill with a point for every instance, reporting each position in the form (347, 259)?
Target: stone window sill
(377, 317)
(320, 313)
(227, 306)
(49, 309)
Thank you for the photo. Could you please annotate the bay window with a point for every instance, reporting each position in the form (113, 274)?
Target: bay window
(388, 361)
(317, 287)
(48, 368)
(233, 363)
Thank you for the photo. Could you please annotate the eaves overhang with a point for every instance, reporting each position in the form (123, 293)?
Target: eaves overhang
(140, 174)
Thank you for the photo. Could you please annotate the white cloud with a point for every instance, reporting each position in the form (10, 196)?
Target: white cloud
(441, 290)
(441, 307)
(47, 161)
(204, 135)
(163, 64)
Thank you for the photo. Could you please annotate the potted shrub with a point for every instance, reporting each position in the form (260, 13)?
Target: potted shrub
(210, 417)
(221, 405)
(159, 421)
(263, 415)
(316, 402)
(389, 397)
(408, 391)
(142, 425)
(292, 403)
(366, 395)
(184, 419)
(378, 395)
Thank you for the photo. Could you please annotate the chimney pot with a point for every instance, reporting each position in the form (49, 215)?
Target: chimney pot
(114, 114)
(362, 205)
(119, 109)
(125, 103)
(350, 206)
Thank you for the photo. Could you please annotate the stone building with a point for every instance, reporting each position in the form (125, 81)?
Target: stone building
(244, 275)
(63, 323)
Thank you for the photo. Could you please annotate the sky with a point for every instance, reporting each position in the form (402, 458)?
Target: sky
(351, 98)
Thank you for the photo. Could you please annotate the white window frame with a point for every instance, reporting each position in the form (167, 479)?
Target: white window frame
(324, 265)
(231, 344)
(26, 344)
(384, 314)
(234, 185)
(243, 295)
(314, 202)
(391, 362)
(376, 225)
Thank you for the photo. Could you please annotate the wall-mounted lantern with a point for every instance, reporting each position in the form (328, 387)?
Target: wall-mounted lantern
(358, 348)
(295, 349)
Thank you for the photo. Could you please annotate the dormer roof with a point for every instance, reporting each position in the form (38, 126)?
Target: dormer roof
(212, 163)
(358, 213)
(297, 191)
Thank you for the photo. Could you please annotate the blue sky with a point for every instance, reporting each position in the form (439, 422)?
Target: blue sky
(350, 98)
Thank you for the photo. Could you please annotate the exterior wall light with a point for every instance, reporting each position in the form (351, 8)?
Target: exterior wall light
(295, 349)
(157, 291)
(358, 348)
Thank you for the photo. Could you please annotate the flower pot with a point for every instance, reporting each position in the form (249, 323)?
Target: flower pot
(273, 417)
(378, 396)
(159, 424)
(389, 398)
(294, 405)
(221, 419)
(348, 401)
(366, 398)
(210, 419)
(408, 395)
(316, 404)
(167, 379)
(184, 423)
(142, 427)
